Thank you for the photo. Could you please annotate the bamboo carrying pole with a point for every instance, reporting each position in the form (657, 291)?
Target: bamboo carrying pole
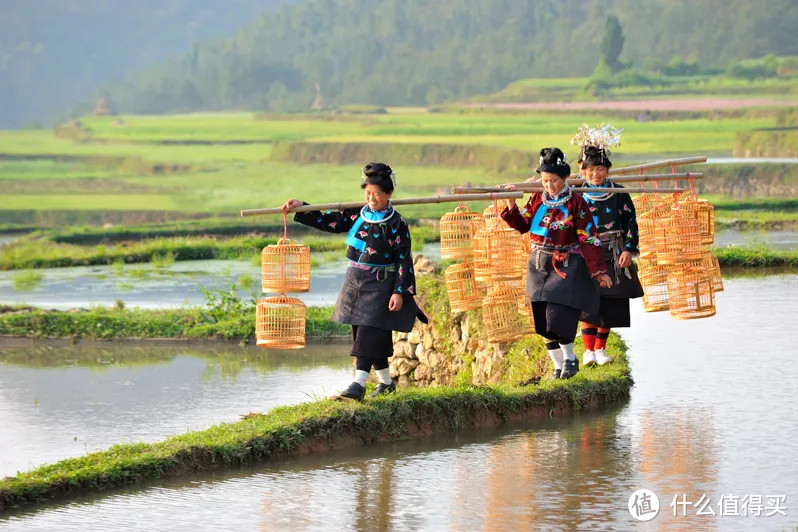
(524, 185)
(658, 164)
(507, 194)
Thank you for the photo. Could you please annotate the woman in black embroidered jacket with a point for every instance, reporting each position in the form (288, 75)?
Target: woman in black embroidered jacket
(614, 216)
(377, 295)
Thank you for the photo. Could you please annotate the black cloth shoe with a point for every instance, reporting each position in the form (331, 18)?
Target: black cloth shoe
(570, 368)
(556, 374)
(355, 391)
(383, 389)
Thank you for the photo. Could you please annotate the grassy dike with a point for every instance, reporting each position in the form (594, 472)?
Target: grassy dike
(757, 256)
(323, 425)
(224, 320)
(315, 427)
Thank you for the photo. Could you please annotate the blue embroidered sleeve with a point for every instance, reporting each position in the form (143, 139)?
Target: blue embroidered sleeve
(330, 221)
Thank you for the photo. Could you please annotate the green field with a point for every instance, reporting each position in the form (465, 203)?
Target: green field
(216, 164)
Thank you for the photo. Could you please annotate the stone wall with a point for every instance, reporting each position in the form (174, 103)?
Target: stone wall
(453, 348)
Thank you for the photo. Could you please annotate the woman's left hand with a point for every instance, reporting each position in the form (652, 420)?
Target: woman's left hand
(395, 304)
(625, 260)
(604, 281)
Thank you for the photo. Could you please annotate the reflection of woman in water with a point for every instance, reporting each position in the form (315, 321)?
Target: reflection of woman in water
(614, 216)
(566, 256)
(377, 295)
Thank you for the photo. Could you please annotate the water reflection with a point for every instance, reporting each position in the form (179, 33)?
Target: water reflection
(711, 414)
(61, 400)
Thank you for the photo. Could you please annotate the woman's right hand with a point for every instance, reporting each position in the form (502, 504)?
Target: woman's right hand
(509, 203)
(290, 204)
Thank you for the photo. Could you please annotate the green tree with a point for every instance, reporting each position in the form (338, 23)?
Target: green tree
(612, 44)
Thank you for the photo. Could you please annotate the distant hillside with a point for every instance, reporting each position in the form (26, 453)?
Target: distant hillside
(56, 52)
(394, 52)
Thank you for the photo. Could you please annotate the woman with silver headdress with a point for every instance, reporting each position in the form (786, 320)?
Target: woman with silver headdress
(377, 296)
(566, 259)
(614, 217)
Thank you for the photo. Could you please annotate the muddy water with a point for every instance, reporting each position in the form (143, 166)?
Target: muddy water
(711, 416)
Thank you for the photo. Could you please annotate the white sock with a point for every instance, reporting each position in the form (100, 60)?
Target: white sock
(568, 351)
(556, 357)
(384, 375)
(361, 376)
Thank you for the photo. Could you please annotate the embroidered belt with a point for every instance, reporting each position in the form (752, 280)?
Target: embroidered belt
(557, 255)
(614, 241)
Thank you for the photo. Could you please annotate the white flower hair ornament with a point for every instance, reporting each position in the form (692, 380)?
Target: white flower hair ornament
(603, 137)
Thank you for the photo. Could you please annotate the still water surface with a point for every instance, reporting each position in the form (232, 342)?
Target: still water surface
(712, 414)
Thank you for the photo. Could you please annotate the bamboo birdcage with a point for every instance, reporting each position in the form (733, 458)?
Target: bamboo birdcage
(499, 255)
(703, 212)
(504, 321)
(654, 280)
(285, 267)
(677, 238)
(461, 286)
(457, 231)
(690, 293)
(280, 322)
(710, 262)
(491, 216)
(646, 202)
(481, 251)
(646, 224)
(670, 199)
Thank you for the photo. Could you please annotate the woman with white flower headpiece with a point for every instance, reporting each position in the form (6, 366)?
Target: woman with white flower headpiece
(566, 259)
(377, 295)
(614, 216)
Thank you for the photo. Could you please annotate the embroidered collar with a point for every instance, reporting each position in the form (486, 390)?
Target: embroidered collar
(561, 199)
(598, 196)
(377, 216)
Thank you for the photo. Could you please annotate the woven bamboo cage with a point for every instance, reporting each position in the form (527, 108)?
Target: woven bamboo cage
(646, 224)
(654, 279)
(646, 202)
(504, 322)
(481, 250)
(526, 242)
(457, 231)
(280, 322)
(507, 258)
(677, 238)
(710, 262)
(491, 216)
(462, 287)
(703, 212)
(285, 267)
(690, 293)
(670, 199)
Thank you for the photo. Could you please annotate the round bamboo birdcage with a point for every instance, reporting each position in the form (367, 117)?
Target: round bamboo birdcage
(504, 321)
(461, 286)
(280, 322)
(690, 293)
(481, 251)
(654, 279)
(670, 199)
(704, 213)
(677, 238)
(646, 202)
(285, 267)
(646, 224)
(499, 255)
(710, 262)
(457, 232)
(490, 215)
(526, 242)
